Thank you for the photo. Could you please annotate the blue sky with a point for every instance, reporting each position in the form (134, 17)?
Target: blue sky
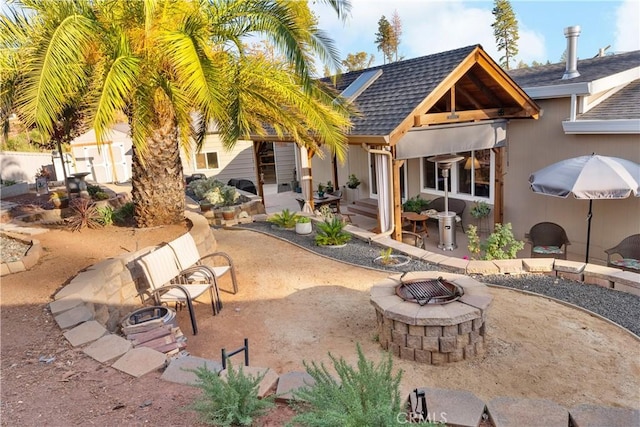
(431, 26)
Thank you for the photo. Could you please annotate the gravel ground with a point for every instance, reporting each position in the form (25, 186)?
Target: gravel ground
(11, 249)
(619, 307)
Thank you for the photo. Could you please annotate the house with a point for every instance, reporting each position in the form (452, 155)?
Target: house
(111, 161)
(458, 101)
(596, 110)
(461, 102)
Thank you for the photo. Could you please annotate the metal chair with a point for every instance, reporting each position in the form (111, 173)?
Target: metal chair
(548, 240)
(189, 261)
(335, 206)
(629, 250)
(167, 283)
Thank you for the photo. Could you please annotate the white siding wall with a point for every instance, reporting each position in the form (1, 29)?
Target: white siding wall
(285, 157)
(237, 163)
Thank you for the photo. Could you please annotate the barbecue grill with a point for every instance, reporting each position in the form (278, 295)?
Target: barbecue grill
(429, 291)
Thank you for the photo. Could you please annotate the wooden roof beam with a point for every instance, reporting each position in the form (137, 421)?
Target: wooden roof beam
(470, 98)
(511, 88)
(484, 89)
(469, 115)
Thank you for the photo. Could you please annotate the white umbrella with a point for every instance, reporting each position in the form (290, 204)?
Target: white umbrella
(588, 177)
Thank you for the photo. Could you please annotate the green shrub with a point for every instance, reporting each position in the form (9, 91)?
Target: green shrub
(415, 204)
(331, 233)
(124, 214)
(231, 402)
(106, 215)
(480, 209)
(364, 396)
(216, 192)
(284, 219)
(7, 182)
(303, 219)
(501, 244)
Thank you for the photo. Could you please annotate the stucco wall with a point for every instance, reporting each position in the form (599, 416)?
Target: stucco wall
(534, 144)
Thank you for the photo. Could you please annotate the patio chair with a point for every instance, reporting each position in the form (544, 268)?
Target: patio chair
(629, 250)
(335, 206)
(548, 240)
(190, 261)
(167, 283)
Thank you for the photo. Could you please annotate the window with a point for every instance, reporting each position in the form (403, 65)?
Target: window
(471, 178)
(207, 160)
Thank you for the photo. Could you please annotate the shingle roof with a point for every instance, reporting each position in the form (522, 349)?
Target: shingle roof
(624, 104)
(589, 69)
(399, 90)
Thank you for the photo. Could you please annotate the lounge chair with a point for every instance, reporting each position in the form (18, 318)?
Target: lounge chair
(167, 283)
(629, 250)
(188, 258)
(548, 240)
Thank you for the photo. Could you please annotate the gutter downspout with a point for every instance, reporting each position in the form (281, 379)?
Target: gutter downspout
(391, 212)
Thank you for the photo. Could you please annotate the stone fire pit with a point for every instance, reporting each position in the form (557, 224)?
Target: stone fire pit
(432, 333)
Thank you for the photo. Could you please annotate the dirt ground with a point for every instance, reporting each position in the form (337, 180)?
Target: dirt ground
(293, 306)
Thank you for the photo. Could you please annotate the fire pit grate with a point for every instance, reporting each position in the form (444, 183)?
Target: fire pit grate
(433, 291)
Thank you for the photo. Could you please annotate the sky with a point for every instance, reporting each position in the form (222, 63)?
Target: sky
(431, 26)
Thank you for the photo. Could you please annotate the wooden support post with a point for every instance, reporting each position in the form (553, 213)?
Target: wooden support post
(397, 196)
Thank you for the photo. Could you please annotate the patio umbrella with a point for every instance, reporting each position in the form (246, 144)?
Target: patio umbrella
(588, 177)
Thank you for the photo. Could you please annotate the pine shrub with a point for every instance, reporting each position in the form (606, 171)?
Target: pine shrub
(367, 395)
(231, 402)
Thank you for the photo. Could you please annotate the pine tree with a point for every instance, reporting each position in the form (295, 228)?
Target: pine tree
(396, 27)
(384, 39)
(505, 30)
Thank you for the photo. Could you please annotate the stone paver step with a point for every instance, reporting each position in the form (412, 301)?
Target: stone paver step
(290, 382)
(598, 416)
(180, 370)
(453, 407)
(516, 412)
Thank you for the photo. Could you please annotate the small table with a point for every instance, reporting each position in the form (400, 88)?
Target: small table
(415, 218)
(326, 200)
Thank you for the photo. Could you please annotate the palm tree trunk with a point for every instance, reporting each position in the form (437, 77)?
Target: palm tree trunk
(157, 181)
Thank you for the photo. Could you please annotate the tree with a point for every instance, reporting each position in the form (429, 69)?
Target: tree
(358, 61)
(162, 63)
(384, 39)
(396, 31)
(505, 30)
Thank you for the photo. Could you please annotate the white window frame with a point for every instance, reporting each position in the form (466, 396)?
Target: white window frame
(204, 153)
(453, 190)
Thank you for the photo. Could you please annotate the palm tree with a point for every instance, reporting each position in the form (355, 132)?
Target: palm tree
(173, 67)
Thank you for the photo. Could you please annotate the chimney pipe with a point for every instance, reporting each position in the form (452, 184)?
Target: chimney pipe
(572, 33)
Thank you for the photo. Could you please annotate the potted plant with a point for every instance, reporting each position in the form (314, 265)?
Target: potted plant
(285, 219)
(329, 187)
(320, 190)
(42, 180)
(415, 204)
(387, 259)
(228, 213)
(353, 182)
(303, 225)
(205, 205)
(59, 199)
(331, 233)
(480, 209)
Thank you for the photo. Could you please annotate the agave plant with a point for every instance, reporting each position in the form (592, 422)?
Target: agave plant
(331, 233)
(284, 219)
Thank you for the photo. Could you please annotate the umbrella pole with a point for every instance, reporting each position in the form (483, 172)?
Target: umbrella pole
(589, 215)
